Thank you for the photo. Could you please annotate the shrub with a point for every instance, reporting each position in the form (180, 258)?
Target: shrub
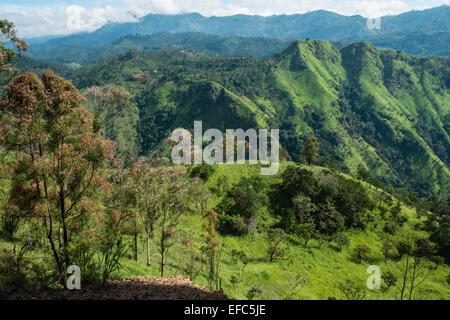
(353, 290)
(239, 209)
(234, 225)
(253, 293)
(203, 171)
(360, 252)
(275, 238)
(341, 240)
(390, 227)
(389, 279)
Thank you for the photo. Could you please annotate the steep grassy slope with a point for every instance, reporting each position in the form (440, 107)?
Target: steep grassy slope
(383, 110)
(320, 265)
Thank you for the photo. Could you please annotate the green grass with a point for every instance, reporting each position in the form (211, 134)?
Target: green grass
(321, 266)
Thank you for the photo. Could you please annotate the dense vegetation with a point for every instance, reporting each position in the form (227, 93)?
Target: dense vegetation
(385, 111)
(358, 117)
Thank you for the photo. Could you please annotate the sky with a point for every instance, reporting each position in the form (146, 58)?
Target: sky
(35, 18)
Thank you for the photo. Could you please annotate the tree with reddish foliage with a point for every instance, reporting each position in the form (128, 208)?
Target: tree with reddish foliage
(8, 35)
(148, 181)
(120, 195)
(173, 202)
(58, 154)
(213, 247)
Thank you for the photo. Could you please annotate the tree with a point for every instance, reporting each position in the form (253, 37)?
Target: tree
(410, 258)
(351, 201)
(306, 231)
(117, 116)
(303, 209)
(360, 252)
(213, 247)
(8, 35)
(174, 201)
(148, 196)
(239, 257)
(58, 155)
(275, 238)
(341, 240)
(353, 290)
(239, 209)
(438, 224)
(193, 268)
(311, 148)
(120, 194)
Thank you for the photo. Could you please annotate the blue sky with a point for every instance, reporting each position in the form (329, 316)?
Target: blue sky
(34, 18)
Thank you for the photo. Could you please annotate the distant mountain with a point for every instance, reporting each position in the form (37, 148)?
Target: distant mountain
(416, 32)
(218, 44)
(315, 25)
(381, 109)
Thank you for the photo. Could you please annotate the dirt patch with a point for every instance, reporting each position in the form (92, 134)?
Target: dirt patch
(139, 288)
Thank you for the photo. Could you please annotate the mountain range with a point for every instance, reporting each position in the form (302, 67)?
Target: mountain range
(383, 110)
(416, 32)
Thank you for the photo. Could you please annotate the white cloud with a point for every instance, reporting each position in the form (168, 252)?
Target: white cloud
(375, 9)
(33, 22)
(40, 21)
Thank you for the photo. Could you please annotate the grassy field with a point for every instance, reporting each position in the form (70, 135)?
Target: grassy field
(305, 272)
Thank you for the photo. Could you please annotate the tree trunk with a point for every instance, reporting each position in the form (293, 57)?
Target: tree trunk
(163, 243)
(405, 276)
(413, 279)
(149, 263)
(135, 246)
(163, 262)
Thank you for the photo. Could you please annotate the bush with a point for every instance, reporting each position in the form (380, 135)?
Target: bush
(275, 238)
(360, 252)
(239, 209)
(389, 279)
(82, 253)
(390, 227)
(253, 293)
(341, 240)
(353, 290)
(18, 272)
(203, 171)
(234, 225)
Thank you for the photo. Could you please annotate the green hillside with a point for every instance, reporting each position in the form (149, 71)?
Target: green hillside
(306, 272)
(323, 268)
(383, 110)
(357, 209)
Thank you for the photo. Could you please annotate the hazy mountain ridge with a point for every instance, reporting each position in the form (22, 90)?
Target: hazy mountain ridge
(412, 28)
(215, 44)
